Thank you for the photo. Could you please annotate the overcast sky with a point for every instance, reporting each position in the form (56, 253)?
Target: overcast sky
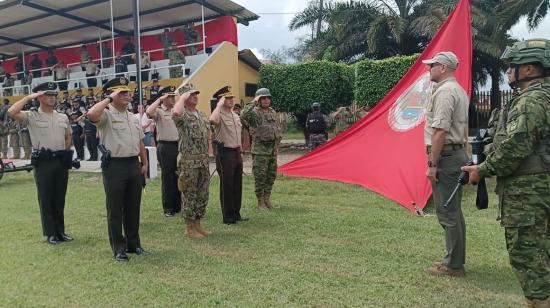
(271, 30)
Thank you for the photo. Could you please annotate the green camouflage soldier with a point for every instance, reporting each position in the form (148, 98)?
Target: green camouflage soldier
(341, 118)
(4, 128)
(25, 141)
(13, 131)
(194, 175)
(191, 36)
(176, 57)
(266, 135)
(166, 39)
(521, 162)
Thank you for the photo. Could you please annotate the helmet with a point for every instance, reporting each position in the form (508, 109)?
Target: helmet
(316, 105)
(528, 51)
(263, 92)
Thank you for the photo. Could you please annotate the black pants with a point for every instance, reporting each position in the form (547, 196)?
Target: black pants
(145, 75)
(122, 183)
(167, 153)
(230, 169)
(92, 82)
(51, 184)
(63, 85)
(78, 144)
(91, 143)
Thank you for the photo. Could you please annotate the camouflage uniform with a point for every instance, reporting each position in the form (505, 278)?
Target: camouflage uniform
(4, 131)
(166, 41)
(266, 135)
(176, 57)
(191, 36)
(341, 120)
(521, 162)
(25, 141)
(194, 176)
(13, 130)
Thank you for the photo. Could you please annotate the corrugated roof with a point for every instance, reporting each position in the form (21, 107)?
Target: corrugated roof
(30, 25)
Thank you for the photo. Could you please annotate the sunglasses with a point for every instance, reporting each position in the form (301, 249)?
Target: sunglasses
(435, 65)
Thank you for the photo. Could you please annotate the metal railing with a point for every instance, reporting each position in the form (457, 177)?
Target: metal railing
(25, 89)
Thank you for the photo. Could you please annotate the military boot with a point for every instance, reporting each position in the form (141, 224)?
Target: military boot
(191, 229)
(538, 303)
(16, 154)
(267, 201)
(27, 155)
(261, 203)
(200, 229)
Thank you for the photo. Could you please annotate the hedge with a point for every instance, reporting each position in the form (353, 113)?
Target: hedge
(295, 87)
(374, 79)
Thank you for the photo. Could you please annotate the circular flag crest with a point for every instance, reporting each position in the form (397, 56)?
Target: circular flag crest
(409, 109)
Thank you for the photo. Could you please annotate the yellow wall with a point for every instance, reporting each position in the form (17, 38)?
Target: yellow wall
(220, 70)
(246, 75)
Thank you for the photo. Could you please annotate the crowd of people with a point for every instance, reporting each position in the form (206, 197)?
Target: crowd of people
(52, 66)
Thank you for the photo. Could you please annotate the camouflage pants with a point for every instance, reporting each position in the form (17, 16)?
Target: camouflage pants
(264, 169)
(316, 140)
(4, 145)
(526, 219)
(26, 143)
(176, 72)
(193, 184)
(14, 144)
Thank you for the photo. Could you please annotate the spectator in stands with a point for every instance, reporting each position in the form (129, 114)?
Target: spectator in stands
(91, 72)
(154, 90)
(128, 49)
(145, 64)
(51, 60)
(106, 53)
(84, 54)
(176, 57)
(19, 68)
(63, 105)
(191, 36)
(120, 65)
(61, 73)
(8, 83)
(36, 66)
(2, 71)
(27, 81)
(166, 39)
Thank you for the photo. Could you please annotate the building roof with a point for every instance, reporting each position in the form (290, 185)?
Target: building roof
(31, 25)
(248, 57)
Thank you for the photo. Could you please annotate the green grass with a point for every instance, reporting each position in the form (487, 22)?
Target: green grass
(325, 245)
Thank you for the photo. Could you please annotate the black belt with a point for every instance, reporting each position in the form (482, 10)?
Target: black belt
(446, 147)
(168, 142)
(125, 159)
(231, 149)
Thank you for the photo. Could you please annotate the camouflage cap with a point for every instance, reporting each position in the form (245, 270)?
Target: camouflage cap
(188, 88)
(49, 87)
(528, 51)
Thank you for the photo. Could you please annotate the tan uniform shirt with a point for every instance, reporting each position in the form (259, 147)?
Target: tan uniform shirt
(166, 128)
(447, 109)
(120, 132)
(229, 130)
(47, 130)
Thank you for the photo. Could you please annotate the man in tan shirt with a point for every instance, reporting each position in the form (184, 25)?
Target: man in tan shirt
(123, 173)
(167, 150)
(51, 141)
(229, 161)
(445, 136)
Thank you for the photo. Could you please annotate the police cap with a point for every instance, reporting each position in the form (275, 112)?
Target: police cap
(49, 87)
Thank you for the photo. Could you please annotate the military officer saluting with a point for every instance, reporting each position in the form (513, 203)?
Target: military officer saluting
(124, 166)
(194, 176)
(229, 161)
(167, 150)
(51, 141)
(266, 136)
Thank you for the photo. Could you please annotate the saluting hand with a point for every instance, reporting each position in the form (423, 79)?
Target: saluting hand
(162, 98)
(115, 93)
(36, 95)
(221, 101)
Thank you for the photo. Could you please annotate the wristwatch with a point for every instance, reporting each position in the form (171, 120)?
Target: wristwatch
(110, 99)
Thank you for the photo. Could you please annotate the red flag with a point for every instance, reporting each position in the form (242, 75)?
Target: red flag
(385, 151)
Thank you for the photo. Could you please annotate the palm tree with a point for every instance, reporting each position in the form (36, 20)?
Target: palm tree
(509, 12)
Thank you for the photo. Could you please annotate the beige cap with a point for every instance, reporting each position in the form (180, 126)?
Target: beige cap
(446, 58)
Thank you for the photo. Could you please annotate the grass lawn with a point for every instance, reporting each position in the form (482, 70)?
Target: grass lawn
(325, 245)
